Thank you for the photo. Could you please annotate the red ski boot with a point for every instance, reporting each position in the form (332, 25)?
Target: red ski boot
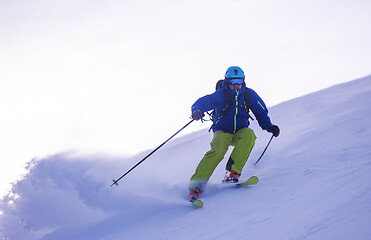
(231, 177)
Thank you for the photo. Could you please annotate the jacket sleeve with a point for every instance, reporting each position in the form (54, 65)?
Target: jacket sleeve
(205, 103)
(259, 110)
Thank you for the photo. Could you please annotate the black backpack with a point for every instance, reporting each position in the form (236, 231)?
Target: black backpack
(228, 99)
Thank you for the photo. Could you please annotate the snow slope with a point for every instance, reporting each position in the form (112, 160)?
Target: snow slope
(314, 184)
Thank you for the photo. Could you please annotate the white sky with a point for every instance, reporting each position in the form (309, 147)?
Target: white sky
(120, 76)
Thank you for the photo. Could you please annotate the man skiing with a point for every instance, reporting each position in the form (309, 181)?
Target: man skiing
(230, 126)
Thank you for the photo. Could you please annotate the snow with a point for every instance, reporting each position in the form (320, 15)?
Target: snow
(314, 183)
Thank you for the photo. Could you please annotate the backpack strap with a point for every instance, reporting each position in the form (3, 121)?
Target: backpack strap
(247, 102)
(228, 99)
(218, 85)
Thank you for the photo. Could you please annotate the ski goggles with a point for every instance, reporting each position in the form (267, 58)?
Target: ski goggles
(235, 81)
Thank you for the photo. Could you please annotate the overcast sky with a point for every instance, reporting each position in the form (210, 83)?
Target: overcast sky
(120, 77)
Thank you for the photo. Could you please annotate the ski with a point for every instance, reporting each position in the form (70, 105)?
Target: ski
(193, 194)
(251, 181)
(197, 203)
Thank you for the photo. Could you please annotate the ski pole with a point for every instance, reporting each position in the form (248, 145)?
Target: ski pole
(264, 150)
(115, 182)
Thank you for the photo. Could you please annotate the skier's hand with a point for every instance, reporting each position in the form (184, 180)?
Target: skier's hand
(197, 115)
(275, 130)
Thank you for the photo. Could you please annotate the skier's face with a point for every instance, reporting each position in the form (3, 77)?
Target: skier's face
(234, 87)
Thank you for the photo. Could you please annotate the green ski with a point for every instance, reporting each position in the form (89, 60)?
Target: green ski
(251, 181)
(198, 203)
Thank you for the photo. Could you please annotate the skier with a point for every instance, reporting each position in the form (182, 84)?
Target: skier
(230, 127)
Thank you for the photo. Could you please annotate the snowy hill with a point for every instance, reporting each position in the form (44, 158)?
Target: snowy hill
(314, 184)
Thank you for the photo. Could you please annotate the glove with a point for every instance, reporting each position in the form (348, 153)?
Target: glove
(275, 130)
(197, 115)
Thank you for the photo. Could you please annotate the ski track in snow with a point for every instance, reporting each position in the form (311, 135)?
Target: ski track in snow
(313, 183)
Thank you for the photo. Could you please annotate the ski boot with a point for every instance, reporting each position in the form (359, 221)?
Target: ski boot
(193, 194)
(231, 177)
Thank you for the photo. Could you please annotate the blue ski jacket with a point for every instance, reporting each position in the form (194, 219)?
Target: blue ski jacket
(237, 117)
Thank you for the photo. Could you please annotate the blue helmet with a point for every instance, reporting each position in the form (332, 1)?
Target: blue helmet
(234, 72)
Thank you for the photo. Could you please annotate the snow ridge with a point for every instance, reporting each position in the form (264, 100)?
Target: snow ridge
(314, 183)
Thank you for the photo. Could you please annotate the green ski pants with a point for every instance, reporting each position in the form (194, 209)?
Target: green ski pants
(243, 141)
